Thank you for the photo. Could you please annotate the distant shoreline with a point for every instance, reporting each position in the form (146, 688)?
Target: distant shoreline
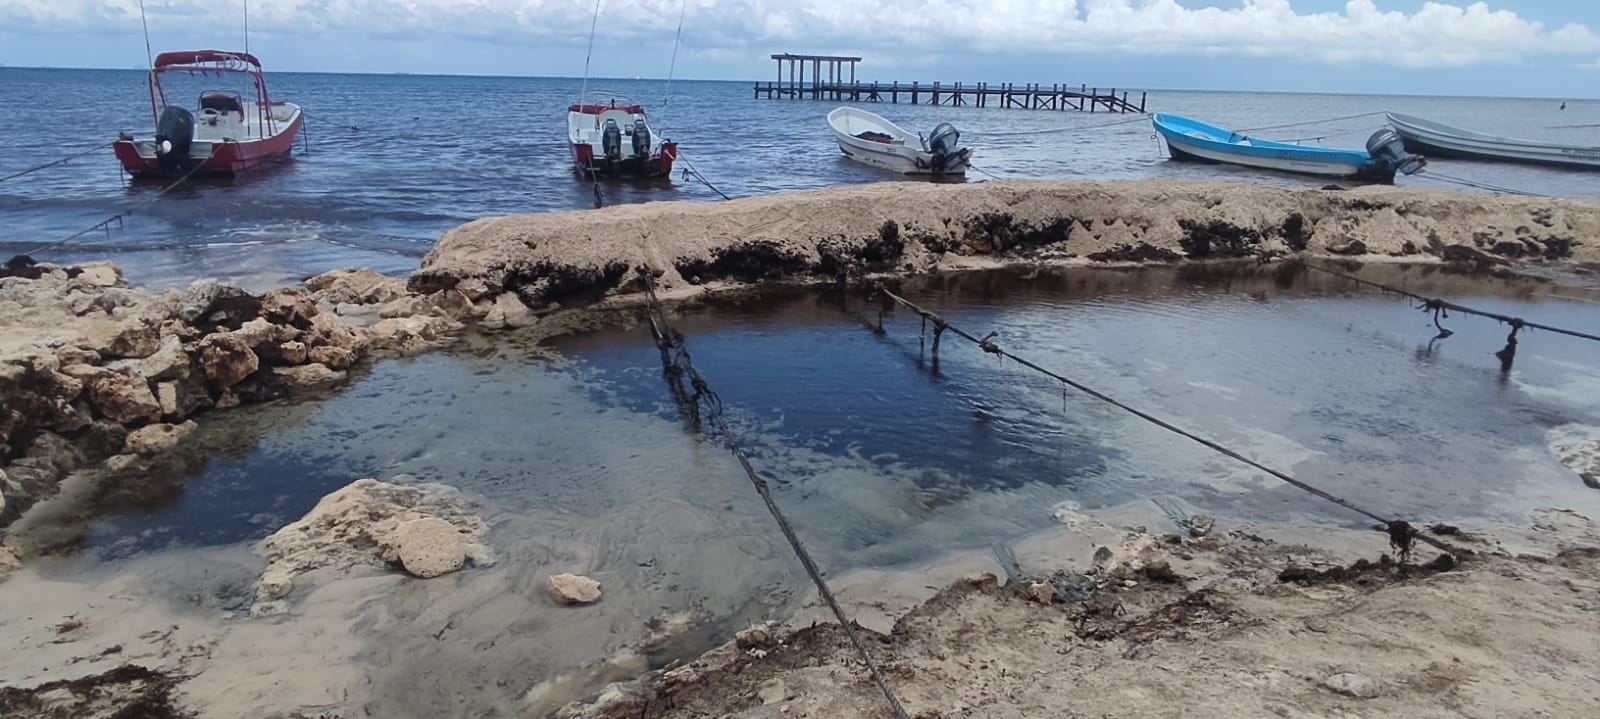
(747, 81)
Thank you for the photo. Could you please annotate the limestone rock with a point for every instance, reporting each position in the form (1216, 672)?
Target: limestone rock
(1201, 525)
(329, 331)
(167, 362)
(408, 336)
(157, 438)
(428, 547)
(226, 359)
(133, 340)
(71, 354)
(293, 352)
(360, 525)
(573, 589)
(355, 286)
(119, 397)
(205, 299)
(288, 307)
(100, 274)
(308, 376)
(259, 333)
(167, 397)
(332, 357)
(1359, 686)
(1042, 592)
(508, 311)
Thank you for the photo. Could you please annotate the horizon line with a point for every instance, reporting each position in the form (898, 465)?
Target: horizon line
(402, 73)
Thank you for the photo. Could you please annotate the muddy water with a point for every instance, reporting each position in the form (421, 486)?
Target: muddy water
(581, 462)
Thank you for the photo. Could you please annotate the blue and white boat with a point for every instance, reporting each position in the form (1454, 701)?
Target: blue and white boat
(1190, 139)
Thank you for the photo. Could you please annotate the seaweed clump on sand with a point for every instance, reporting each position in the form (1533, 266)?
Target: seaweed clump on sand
(130, 691)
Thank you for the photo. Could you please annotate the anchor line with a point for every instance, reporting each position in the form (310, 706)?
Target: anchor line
(690, 169)
(677, 363)
(106, 223)
(1433, 304)
(1308, 122)
(1401, 533)
(61, 161)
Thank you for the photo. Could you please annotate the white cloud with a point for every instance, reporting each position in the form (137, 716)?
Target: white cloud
(1438, 34)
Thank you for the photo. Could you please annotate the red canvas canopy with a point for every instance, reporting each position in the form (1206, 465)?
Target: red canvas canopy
(593, 109)
(198, 57)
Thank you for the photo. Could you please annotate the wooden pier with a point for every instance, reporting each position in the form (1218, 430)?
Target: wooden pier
(1023, 96)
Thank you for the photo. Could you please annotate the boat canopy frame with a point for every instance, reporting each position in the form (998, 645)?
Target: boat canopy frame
(205, 63)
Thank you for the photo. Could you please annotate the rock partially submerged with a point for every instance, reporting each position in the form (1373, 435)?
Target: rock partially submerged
(560, 259)
(427, 529)
(90, 368)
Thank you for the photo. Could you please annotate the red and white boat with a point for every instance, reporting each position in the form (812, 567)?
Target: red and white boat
(228, 134)
(615, 140)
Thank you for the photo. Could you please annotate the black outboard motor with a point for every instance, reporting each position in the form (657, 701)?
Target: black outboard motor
(174, 132)
(1386, 146)
(611, 141)
(944, 142)
(641, 139)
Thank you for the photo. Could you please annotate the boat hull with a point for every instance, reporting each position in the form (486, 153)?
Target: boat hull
(222, 158)
(1440, 140)
(1192, 141)
(896, 153)
(658, 165)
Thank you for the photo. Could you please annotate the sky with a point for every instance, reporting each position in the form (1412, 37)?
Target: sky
(1538, 48)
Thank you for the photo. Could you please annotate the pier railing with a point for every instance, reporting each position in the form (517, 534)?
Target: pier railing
(1023, 96)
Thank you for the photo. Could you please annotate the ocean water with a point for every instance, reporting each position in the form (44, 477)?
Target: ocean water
(389, 162)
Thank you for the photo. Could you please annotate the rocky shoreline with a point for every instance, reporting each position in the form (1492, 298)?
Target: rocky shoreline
(95, 373)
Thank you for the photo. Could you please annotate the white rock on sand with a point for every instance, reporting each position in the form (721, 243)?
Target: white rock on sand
(574, 589)
(426, 528)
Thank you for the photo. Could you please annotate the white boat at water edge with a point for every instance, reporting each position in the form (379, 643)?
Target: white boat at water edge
(872, 140)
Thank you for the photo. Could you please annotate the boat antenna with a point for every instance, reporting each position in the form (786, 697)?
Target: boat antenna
(672, 66)
(584, 89)
(149, 59)
(247, 27)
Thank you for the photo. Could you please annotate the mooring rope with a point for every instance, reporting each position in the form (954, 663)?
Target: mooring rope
(61, 161)
(1142, 117)
(1507, 355)
(1401, 533)
(1478, 185)
(1308, 122)
(689, 168)
(106, 223)
(671, 343)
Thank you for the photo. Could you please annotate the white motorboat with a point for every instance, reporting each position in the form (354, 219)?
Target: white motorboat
(873, 140)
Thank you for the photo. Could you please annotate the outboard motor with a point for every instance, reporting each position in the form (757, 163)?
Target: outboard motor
(1386, 146)
(611, 141)
(944, 142)
(641, 139)
(174, 132)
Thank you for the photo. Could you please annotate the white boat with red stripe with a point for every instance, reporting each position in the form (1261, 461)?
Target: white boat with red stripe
(614, 139)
